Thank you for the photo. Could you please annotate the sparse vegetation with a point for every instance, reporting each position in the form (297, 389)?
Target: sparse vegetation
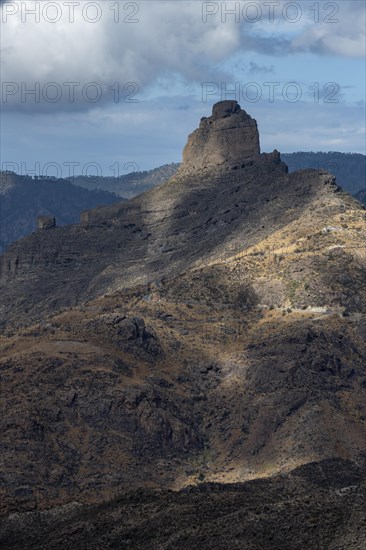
(168, 350)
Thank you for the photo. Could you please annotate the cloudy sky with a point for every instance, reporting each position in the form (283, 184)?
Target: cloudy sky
(115, 86)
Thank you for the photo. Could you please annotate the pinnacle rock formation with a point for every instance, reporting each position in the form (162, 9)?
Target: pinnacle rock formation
(230, 135)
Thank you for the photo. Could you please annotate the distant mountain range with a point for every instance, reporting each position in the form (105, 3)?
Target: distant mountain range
(348, 168)
(129, 185)
(23, 199)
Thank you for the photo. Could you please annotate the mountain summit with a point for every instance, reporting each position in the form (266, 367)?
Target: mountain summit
(209, 329)
(230, 135)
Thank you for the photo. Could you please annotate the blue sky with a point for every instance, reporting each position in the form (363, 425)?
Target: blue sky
(164, 55)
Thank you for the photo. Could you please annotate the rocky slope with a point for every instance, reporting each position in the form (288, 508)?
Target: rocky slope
(253, 210)
(319, 505)
(209, 330)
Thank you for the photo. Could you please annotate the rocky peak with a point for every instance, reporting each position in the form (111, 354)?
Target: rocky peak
(228, 136)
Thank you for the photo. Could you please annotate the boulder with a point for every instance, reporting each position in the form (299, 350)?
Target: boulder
(46, 222)
(131, 328)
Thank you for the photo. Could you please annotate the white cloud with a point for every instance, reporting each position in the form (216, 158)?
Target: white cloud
(169, 38)
(168, 53)
(346, 37)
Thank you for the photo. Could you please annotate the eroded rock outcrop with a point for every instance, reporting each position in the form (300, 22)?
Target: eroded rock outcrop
(46, 222)
(228, 136)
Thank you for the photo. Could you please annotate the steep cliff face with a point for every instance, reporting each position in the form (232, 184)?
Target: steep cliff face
(229, 136)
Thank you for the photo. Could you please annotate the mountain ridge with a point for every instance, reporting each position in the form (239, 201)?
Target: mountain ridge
(349, 169)
(211, 329)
